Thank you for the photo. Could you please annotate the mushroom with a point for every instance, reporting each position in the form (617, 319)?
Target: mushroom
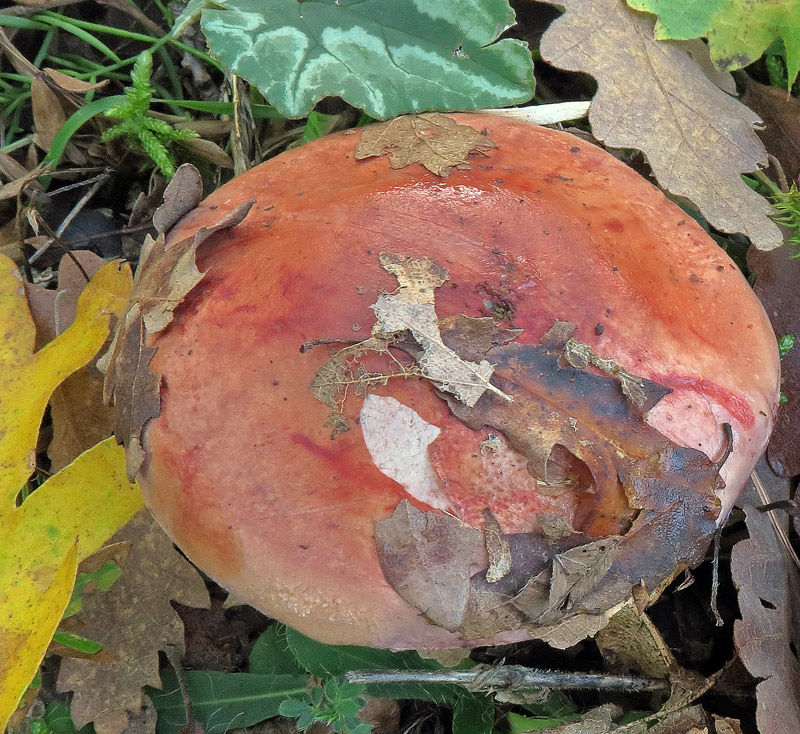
(438, 363)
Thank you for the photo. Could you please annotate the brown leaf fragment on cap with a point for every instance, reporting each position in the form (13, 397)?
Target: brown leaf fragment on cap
(432, 140)
(411, 308)
(576, 573)
(183, 193)
(166, 274)
(134, 385)
(497, 548)
(428, 558)
(580, 356)
(471, 338)
(555, 526)
(559, 334)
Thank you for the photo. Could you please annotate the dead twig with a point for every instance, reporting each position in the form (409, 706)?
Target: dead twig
(510, 678)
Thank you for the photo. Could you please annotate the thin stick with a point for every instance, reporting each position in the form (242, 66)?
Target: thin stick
(510, 678)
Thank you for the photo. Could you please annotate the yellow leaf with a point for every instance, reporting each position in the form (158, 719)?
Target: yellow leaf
(24, 637)
(74, 512)
(27, 380)
(87, 501)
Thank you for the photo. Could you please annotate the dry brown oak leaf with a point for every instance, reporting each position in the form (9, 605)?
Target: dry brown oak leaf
(133, 620)
(651, 95)
(767, 637)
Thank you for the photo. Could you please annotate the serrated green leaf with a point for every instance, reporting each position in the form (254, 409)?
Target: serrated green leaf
(387, 58)
(738, 31)
(222, 701)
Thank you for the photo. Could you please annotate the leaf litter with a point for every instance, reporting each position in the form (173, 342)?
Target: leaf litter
(571, 413)
(777, 276)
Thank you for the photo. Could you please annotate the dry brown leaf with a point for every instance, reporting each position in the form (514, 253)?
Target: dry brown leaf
(11, 168)
(409, 310)
(70, 83)
(497, 548)
(432, 140)
(631, 641)
(652, 96)
(767, 636)
(48, 114)
(570, 632)
(132, 620)
(698, 51)
(726, 725)
(209, 150)
(577, 427)
(428, 558)
(27, 180)
(183, 193)
(54, 310)
(576, 573)
(163, 279)
(691, 720)
(15, 57)
(600, 720)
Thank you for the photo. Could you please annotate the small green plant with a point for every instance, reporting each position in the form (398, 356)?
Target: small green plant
(153, 136)
(787, 204)
(336, 702)
(785, 344)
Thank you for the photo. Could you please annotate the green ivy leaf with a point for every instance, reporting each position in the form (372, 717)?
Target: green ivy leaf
(387, 58)
(738, 31)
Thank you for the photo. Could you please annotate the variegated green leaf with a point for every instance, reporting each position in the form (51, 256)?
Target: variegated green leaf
(387, 57)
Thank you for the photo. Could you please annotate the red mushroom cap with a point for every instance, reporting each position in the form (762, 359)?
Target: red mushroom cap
(248, 473)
